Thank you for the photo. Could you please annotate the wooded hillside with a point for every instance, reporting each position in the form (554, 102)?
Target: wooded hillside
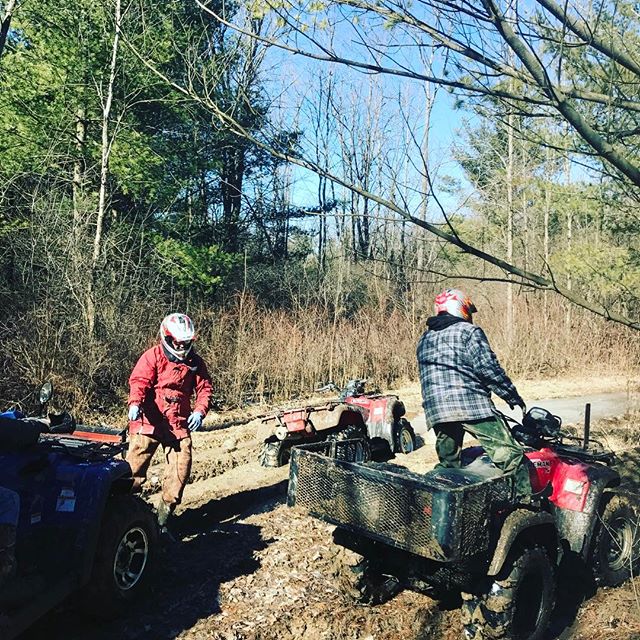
(281, 172)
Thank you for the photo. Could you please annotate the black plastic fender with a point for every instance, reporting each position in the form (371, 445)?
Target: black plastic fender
(539, 525)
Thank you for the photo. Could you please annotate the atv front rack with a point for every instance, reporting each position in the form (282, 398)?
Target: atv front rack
(605, 457)
(90, 451)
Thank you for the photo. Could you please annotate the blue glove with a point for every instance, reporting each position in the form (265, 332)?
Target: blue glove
(134, 412)
(194, 422)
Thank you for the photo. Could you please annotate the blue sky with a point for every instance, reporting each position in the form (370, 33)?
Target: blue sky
(296, 77)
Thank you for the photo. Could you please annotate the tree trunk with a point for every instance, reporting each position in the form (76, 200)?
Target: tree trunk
(510, 189)
(78, 171)
(5, 23)
(232, 178)
(104, 173)
(547, 209)
(567, 172)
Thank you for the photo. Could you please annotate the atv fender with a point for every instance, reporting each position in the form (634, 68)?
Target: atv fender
(538, 525)
(384, 427)
(111, 478)
(347, 415)
(576, 527)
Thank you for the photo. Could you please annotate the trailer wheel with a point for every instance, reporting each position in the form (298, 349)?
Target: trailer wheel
(616, 543)
(274, 453)
(517, 604)
(364, 583)
(404, 437)
(125, 555)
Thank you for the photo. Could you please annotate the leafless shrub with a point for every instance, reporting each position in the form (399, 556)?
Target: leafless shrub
(274, 354)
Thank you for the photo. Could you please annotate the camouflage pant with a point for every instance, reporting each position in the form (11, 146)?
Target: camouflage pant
(177, 455)
(497, 441)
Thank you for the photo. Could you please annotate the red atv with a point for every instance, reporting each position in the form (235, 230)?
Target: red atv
(356, 414)
(465, 531)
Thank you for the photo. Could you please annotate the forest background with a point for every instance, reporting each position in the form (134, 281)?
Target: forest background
(302, 178)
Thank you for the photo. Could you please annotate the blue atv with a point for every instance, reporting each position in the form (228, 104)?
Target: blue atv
(79, 531)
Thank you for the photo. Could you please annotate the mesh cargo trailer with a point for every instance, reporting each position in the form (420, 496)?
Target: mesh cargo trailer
(441, 515)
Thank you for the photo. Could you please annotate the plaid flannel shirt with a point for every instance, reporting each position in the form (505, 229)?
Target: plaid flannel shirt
(458, 372)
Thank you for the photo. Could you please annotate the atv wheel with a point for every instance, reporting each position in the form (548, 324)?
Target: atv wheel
(517, 605)
(125, 555)
(616, 547)
(363, 583)
(351, 432)
(348, 433)
(404, 437)
(274, 453)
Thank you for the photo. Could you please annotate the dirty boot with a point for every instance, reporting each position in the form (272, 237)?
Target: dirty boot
(8, 563)
(164, 511)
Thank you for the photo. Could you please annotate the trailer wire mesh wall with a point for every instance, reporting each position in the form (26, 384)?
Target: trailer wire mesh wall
(441, 515)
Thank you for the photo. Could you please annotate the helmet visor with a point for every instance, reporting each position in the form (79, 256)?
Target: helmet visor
(179, 347)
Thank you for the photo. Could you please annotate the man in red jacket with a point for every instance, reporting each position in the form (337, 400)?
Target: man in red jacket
(161, 385)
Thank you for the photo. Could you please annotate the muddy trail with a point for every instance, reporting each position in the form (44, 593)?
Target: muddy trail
(246, 567)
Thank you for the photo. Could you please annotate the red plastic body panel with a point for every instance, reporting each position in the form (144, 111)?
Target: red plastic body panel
(374, 407)
(295, 420)
(96, 437)
(548, 466)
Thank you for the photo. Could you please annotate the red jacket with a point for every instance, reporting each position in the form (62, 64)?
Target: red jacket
(162, 389)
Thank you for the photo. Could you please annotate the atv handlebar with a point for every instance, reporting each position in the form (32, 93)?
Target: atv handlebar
(558, 441)
(330, 386)
(353, 388)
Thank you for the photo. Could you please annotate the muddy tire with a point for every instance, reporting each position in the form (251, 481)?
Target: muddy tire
(517, 604)
(616, 542)
(274, 453)
(351, 432)
(363, 583)
(404, 437)
(348, 433)
(125, 556)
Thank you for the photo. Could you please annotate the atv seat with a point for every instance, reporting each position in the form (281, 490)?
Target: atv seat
(480, 470)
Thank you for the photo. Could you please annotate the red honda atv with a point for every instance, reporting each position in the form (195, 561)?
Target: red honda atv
(356, 414)
(466, 531)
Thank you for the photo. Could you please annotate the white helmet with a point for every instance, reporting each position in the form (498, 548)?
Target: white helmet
(177, 334)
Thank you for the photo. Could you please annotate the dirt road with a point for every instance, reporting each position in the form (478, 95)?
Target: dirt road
(248, 568)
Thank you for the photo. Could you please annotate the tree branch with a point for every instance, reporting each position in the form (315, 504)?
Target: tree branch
(533, 278)
(587, 35)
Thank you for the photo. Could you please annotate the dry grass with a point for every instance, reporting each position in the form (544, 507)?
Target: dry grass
(279, 354)
(256, 354)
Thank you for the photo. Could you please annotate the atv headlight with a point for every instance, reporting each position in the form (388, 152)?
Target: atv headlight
(574, 486)
(281, 432)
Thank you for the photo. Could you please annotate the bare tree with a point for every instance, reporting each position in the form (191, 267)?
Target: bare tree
(107, 139)
(477, 68)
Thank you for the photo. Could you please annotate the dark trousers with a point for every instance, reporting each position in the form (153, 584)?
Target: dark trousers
(496, 439)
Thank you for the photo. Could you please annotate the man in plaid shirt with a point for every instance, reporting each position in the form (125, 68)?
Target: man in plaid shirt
(458, 372)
